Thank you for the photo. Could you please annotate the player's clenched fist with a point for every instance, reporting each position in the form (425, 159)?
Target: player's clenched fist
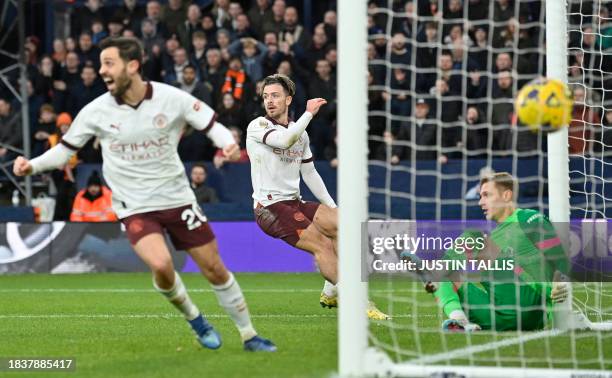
(22, 166)
(232, 152)
(314, 104)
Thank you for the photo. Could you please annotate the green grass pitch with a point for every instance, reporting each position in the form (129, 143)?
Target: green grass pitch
(116, 325)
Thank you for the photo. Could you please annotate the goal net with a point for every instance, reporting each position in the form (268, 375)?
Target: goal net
(442, 79)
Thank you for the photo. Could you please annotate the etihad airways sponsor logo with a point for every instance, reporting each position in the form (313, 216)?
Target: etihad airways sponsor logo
(140, 146)
(145, 150)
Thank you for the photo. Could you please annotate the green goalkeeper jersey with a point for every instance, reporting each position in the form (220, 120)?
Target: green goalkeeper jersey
(510, 300)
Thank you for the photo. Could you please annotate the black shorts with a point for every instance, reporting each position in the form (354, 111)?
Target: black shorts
(186, 225)
(286, 219)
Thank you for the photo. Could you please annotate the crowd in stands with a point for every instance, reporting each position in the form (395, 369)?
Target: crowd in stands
(443, 74)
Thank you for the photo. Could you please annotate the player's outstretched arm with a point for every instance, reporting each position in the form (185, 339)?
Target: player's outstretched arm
(54, 158)
(285, 138)
(316, 185)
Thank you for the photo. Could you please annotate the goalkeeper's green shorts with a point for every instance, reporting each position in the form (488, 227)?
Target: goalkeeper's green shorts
(505, 315)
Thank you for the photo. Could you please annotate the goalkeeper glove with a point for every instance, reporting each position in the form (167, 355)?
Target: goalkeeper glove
(457, 325)
(559, 292)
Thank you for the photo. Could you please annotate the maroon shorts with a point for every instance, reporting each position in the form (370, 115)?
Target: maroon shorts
(286, 219)
(186, 225)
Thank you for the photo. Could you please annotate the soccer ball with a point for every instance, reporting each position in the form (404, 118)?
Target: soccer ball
(544, 104)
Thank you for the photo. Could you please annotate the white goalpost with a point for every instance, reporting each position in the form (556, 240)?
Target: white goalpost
(412, 344)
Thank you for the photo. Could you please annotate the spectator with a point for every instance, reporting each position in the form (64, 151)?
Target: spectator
(584, 120)
(154, 14)
(88, 53)
(190, 84)
(131, 14)
(324, 86)
(400, 55)
(502, 112)
(84, 17)
(149, 36)
(405, 23)
(175, 73)
(477, 134)
(252, 54)
(330, 22)
(400, 97)
(203, 193)
(209, 28)
(187, 28)
(390, 143)
(98, 33)
(63, 178)
(274, 55)
(220, 158)
(298, 103)
(480, 50)
(332, 57)
(85, 91)
(10, 130)
(503, 62)
(214, 73)
(70, 44)
(221, 14)
(167, 56)
(173, 14)
(235, 79)
(70, 73)
(259, 14)
(223, 42)
(46, 75)
(424, 132)
(198, 49)
(59, 51)
(115, 27)
(292, 32)
(242, 28)
(230, 112)
(43, 128)
(275, 24)
(426, 56)
(317, 48)
(94, 203)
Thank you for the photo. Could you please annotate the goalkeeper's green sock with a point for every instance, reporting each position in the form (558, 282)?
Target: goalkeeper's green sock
(449, 301)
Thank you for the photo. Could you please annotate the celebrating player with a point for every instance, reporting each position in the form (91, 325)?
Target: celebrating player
(501, 301)
(279, 152)
(139, 125)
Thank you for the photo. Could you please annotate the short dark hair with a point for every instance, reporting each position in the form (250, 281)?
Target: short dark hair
(189, 66)
(129, 48)
(501, 180)
(282, 80)
(199, 165)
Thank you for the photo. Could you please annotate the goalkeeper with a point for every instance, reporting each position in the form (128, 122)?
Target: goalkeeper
(506, 300)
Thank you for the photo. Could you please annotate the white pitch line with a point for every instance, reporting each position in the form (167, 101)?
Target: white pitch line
(197, 290)
(459, 353)
(152, 316)
(167, 316)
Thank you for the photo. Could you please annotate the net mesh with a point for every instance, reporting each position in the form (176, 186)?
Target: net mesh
(443, 75)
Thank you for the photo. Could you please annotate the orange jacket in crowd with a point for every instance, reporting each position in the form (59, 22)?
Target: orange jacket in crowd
(99, 210)
(236, 90)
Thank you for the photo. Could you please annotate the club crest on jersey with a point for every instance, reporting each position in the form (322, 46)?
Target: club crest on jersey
(160, 121)
(197, 106)
(263, 123)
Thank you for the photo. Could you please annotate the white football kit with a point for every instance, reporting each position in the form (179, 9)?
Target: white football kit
(277, 154)
(139, 146)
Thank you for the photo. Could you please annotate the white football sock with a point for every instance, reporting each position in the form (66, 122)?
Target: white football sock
(330, 289)
(231, 299)
(179, 298)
